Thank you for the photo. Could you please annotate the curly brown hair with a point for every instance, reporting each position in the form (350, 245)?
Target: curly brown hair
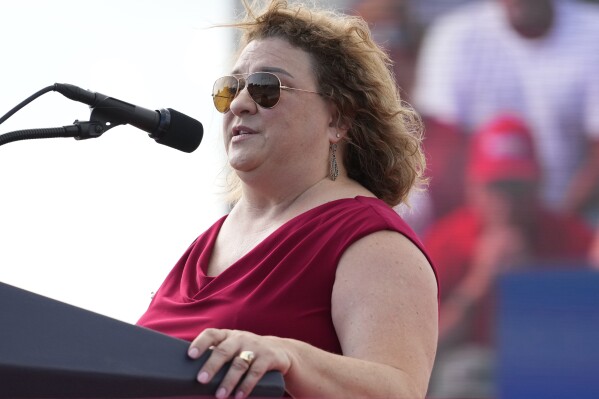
(384, 151)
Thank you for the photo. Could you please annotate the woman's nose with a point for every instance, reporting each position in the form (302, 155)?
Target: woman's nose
(243, 103)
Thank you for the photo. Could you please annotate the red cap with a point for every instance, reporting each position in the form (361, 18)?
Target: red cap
(503, 149)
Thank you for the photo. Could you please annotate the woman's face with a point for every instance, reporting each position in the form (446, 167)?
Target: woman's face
(293, 137)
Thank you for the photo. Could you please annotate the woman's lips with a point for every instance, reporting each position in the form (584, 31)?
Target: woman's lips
(242, 130)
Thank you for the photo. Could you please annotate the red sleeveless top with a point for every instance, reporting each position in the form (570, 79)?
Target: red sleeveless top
(282, 287)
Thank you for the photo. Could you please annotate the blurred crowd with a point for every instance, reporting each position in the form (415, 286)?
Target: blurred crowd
(509, 95)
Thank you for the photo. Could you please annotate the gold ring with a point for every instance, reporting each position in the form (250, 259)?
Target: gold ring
(247, 356)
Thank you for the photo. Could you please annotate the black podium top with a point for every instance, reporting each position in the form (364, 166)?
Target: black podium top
(49, 349)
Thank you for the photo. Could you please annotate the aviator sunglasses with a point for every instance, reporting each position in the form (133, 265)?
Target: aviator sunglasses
(263, 87)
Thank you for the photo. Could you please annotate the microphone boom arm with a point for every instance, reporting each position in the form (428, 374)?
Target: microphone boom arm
(79, 130)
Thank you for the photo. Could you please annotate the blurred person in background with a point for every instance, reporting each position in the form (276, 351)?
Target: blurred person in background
(502, 227)
(532, 58)
(395, 27)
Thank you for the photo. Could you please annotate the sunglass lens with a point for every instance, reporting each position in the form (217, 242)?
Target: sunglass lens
(223, 92)
(265, 89)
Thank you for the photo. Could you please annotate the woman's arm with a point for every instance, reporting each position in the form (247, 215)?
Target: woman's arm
(384, 308)
(385, 312)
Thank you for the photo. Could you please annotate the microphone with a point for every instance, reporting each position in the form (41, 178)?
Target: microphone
(166, 126)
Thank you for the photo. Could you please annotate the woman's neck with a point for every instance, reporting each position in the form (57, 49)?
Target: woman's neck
(289, 200)
(279, 199)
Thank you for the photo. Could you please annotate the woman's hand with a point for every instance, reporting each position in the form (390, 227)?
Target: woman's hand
(259, 355)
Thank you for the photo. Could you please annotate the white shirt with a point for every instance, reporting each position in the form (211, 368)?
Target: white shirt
(474, 65)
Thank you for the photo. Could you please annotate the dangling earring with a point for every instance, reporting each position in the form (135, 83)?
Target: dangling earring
(333, 168)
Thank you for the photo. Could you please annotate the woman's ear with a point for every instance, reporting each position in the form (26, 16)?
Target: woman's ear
(338, 125)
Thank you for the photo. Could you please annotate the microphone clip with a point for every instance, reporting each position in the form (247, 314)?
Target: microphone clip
(95, 127)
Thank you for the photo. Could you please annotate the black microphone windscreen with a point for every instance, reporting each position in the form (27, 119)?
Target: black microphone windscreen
(183, 133)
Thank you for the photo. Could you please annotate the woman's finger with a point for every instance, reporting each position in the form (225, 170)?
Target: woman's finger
(208, 339)
(239, 367)
(221, 354)
(257, 370)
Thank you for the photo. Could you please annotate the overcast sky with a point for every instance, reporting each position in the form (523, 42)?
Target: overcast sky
(99, 223)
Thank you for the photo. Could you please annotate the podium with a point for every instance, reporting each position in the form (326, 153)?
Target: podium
(49, 349)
